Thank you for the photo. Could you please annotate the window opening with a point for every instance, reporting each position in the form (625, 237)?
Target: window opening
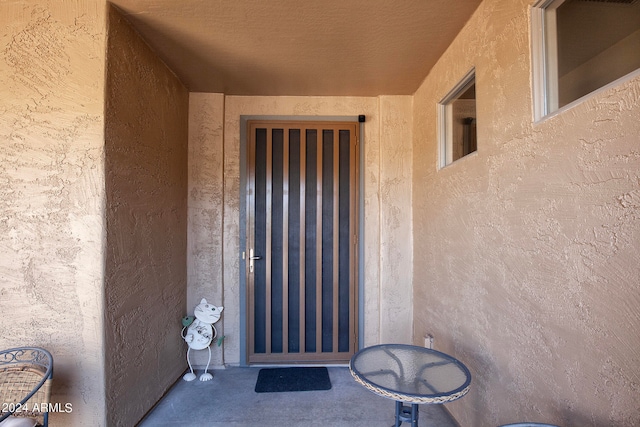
(579, 46)
(457, 121)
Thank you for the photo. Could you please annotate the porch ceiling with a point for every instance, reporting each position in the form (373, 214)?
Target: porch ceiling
(293, 47)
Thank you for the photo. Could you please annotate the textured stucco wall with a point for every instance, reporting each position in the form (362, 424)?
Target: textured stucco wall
(386, 183)
(396, 236)
(52, 58)
(146, 218)
(206, 195)
(527, 253)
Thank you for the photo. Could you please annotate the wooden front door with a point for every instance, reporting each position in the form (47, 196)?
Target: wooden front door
(302, 192)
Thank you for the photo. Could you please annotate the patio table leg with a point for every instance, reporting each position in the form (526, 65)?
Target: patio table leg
(414, 415)
(406, 414)
(398, 410)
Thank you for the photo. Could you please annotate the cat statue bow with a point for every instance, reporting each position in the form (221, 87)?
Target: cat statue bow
(200, 334)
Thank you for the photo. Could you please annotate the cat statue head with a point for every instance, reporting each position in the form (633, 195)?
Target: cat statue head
(207, 313)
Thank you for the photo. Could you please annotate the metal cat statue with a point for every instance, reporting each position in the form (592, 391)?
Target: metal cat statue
(200, 332)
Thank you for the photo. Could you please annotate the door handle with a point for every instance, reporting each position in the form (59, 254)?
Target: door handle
(252, 258)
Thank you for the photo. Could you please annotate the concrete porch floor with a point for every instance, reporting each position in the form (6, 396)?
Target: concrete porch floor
(230, 400)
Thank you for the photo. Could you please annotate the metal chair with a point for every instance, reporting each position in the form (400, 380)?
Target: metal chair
(25, 385)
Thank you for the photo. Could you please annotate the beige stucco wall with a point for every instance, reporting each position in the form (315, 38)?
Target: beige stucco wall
(206, 195)
(527, 252)
(214, 204)
(146, 218)
(52, 193)
(396, 234)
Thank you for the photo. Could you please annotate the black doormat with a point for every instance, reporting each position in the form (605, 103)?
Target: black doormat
(272, 380)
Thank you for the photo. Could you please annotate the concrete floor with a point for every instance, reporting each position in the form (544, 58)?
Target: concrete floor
(230, 400)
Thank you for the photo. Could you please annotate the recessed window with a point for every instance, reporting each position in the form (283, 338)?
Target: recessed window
(457, 121)
(580, 46)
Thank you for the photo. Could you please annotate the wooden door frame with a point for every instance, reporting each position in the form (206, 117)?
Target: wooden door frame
(243, 309)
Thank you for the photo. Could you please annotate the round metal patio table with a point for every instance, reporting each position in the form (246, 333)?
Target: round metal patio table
(410, 374)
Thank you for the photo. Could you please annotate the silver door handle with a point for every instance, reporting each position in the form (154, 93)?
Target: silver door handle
(252, 258)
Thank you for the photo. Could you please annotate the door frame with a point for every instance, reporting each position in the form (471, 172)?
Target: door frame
(243, 309)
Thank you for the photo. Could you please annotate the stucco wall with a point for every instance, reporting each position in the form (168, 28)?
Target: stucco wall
(206, 195)
(396, 235)
(387, 136)
(52, 193)
(527, 252)
(146, 219)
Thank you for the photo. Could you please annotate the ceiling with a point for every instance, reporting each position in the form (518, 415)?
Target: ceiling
(299, 47)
